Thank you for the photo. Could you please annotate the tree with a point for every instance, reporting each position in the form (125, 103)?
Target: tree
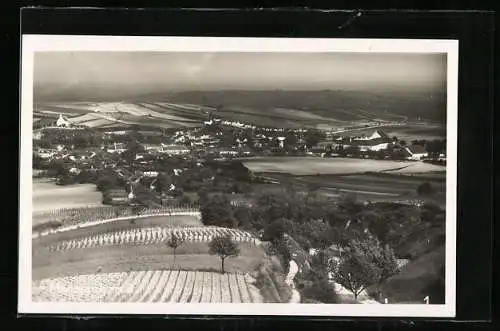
(163, 183)
(314, 281)
(313, 137)
(184, 200)
(275, 230)
(217, 210)
(174, 242)
(363, 263)
(435, 147)
(107, 181)
(224, 247)
(132, 149)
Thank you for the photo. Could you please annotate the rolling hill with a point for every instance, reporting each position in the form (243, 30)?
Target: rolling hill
(292, 109)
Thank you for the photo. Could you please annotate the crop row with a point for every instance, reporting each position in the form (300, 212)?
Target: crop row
(172, 286)
(151, 236)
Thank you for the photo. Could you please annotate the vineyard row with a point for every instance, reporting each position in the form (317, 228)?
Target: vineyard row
(171, 286)
(151, 236)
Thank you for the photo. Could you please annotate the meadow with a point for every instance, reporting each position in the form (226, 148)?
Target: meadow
(48, 196)
(331, 166)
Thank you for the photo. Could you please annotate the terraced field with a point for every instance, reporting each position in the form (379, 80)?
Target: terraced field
(140, 236)
(151, 286)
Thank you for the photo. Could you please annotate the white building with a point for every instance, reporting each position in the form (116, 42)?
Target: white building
(175, 149)
(62, 122)
(416, 152)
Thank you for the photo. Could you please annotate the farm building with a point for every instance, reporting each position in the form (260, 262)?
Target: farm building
(228, 152)
(45, 153)
(152, 147)
(415, 152)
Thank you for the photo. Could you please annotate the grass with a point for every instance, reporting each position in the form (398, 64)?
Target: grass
(190, 256)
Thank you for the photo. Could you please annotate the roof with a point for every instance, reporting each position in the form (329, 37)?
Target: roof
(379, 134)
(416, 149)
(372, 142)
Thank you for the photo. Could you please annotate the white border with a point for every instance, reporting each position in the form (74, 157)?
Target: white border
(34, 43)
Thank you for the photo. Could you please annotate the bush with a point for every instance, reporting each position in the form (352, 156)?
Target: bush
(321, 290)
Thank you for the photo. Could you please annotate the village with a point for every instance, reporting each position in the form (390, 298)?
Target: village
(73, 153)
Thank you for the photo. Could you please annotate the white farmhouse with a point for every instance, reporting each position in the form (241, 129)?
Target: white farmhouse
(416, 152)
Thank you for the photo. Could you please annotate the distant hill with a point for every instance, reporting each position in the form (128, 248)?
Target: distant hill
(347, 105)
(428, 105)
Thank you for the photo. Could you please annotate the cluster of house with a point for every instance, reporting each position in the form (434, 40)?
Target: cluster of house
(378, 141)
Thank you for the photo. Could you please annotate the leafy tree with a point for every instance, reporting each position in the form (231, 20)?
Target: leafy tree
(313, 137)
(363, 263)
(217, 210)
(315, 282)
(275, 230)
(107, 180)
(58, 168)
(133, 148)
(184, 200)
(163, 183)
(224, 247)
(174, 242)
(435, 147)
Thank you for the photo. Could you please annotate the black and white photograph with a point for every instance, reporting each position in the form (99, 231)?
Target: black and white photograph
(249, 176)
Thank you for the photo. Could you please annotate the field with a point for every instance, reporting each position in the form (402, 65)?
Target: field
(168, 286)
(292, 109)
(189, 256)
(49, 196)
(331, 166)
(386, 186)
(105, 115)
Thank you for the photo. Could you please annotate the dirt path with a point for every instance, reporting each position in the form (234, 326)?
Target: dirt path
(293, 269)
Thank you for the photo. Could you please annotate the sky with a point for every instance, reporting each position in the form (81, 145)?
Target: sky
(143, 72)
